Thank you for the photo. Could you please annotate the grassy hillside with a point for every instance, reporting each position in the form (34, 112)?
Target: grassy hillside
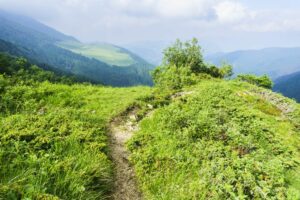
(220, 140)
(289, 85)
(104, 52)
(54, 137)
(202, 136)
(54, 140)
(274, 62)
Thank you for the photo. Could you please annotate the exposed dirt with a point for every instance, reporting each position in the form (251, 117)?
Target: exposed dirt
(121, 130)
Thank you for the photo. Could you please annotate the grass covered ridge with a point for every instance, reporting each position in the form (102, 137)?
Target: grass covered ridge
(223, 141)
(54, 141)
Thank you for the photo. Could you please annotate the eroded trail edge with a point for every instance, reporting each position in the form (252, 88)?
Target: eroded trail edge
(125, 184)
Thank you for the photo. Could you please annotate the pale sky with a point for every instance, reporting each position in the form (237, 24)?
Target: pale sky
(224, 25)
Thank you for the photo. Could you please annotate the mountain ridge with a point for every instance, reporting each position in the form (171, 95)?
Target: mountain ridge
(289, 85)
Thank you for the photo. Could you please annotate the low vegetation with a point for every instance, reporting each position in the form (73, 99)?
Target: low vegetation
(218, 143)
(217, 139)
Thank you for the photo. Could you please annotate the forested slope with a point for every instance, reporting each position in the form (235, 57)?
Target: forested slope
(39, 44)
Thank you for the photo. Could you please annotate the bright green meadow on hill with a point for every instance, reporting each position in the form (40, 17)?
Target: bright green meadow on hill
(103, 52)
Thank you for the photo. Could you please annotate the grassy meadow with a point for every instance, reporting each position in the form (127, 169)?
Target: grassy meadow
(54, 139)
(104, 52)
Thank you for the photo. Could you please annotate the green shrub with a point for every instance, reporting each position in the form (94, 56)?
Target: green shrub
(183, 65)
(263, 81)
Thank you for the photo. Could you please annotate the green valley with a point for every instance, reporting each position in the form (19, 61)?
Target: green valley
(42, 45)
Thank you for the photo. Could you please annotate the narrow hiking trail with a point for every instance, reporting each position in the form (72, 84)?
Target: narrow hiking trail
(121, 130)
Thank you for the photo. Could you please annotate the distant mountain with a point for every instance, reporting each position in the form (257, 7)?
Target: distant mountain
(106, 64)
(289, 85)
(35, 25)
(274, 62)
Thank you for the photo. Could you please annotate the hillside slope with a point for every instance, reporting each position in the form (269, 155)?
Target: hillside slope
(54, 141)
(274, 62)
(208, 138)
(289, 85)
(38, 43)
(220, 140)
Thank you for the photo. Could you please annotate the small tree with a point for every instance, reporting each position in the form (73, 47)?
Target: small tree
(187, 54)
(226, 70)
(183, 64)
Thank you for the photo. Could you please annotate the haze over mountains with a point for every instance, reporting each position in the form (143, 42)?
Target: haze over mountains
(105, 64)
(274, 62)
(114, 65)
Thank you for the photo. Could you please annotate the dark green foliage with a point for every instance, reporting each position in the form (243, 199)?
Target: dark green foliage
(20, 70)
(262, 81)
(219, 142)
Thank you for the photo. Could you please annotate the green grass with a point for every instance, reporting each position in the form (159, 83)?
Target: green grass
(107, 53)
(53, 139)
(224, 141)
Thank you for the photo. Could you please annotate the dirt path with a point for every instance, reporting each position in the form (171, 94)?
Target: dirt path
(121, 130)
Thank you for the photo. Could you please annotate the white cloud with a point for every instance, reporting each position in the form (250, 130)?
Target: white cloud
(183, 8)
(231, 11)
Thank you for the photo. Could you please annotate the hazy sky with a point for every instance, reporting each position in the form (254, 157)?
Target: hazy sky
(220, 24)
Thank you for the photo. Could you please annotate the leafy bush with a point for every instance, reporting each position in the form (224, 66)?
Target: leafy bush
(173, 78)
(263, 81)
(183, 65)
